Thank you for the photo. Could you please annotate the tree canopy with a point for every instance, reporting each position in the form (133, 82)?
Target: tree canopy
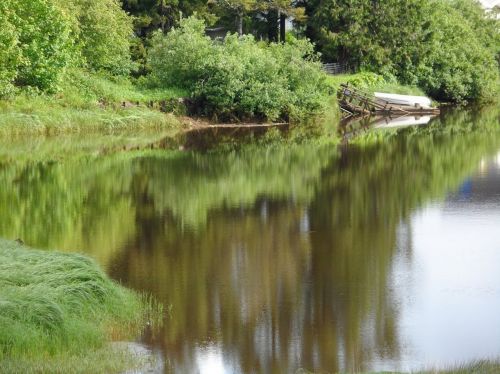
(35, 44)
(450, 48)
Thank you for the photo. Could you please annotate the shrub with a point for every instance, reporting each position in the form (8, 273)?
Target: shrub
(366, 79)
(239, 77)
(102, 32)
(9, 52)
(456, 65)
(449, 48)
(40, 38)
(43, 37)
(179, 58)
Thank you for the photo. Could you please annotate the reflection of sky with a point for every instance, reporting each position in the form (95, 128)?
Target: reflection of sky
(451, 303)
(210, 361)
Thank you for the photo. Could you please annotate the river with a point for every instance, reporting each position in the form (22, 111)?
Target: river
(306, 257)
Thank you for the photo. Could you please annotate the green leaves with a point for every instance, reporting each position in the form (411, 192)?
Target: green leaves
(102, 33)
(40, 38)
(38, 44)
(457, 65)
(449, 48)
(239, 77)
(10, 53)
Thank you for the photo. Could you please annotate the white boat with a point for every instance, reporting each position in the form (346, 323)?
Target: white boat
(406, 100)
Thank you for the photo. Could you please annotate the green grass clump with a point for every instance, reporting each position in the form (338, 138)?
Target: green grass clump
(55, 306)
(474, 367)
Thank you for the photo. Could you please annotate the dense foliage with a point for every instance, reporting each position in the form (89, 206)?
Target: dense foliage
(239, 77)
(447, 47)
(41, 38)
(455, 64)
(102, 32)
(9, 52)
(35, 45)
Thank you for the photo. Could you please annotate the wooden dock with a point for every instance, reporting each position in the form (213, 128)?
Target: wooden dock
(354, 101)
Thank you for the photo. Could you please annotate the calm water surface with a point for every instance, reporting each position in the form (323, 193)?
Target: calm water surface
(378, 256)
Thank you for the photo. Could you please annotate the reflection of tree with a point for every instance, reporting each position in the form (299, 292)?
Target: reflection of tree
(89, 204)
(242, 275)
(270, 295)
(281, 257)
(83, 205)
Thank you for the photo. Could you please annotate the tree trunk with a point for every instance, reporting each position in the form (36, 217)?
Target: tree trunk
(240, 24)
(282, 27)
(272, 25)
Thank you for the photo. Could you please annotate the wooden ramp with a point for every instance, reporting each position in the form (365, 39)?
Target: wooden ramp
(354, 101)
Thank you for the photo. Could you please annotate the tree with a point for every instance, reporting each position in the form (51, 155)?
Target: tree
(10, 52)
(102, 32)
(457, 65)
(362, 32)
(35, 44)
(281, 10)
(239, 8)
(447, 47)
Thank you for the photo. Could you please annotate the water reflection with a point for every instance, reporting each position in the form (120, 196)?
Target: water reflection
(378, 256)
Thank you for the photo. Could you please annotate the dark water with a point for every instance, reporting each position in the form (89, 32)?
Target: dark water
(380, 256)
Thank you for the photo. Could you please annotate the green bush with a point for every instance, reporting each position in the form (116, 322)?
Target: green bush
(456, 65)
(449, 48)
(43, 37)
(239, 78)
(366, 79)
(9, 52)
(178, 59)
(102, 32)
(40, 38)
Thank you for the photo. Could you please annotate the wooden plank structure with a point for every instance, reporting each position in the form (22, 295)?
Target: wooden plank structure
(354, 101)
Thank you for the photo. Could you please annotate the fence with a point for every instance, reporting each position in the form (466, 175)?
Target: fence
(336, 68)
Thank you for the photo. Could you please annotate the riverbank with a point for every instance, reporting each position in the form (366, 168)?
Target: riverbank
(89, 104)
(59, 312)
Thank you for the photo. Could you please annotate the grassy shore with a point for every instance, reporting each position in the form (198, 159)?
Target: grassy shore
(87, 103)
(61, 311)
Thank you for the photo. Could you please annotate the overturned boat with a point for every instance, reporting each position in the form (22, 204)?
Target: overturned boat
(404, 100)
(354, 101)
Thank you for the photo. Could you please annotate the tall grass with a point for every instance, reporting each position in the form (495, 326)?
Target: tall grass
(41, 117)
(83, 89)
(474, 367)
(86, 103)
(62, 305)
